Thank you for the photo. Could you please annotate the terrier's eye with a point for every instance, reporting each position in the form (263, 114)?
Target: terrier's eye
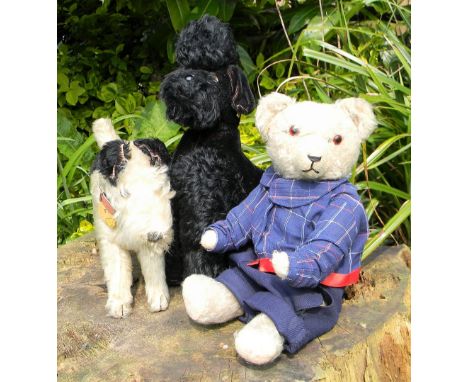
(189, 77)
(293, 130)
(337, 139)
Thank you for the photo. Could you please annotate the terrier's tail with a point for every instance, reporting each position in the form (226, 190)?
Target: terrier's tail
(104, 131)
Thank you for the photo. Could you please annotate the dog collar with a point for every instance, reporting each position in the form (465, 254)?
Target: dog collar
(106, 211)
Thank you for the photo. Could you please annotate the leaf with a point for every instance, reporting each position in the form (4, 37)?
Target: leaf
(179, 12)
(301, 18)
(247, 64)
(71, 98)
(210, 7)
(279, 70)
(68, 137)
(260, 60)
(267, 82)
(170, 49)
(392, 224)
(226, 9)
(63, 82)
(383, 188)
(121, 106)
(379, 151)
(109, 92)
(146, 69)
(154, 124)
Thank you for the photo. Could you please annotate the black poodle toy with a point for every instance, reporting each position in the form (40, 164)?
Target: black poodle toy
(209, 171)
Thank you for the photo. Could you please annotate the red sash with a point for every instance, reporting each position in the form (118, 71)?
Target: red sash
(336, 280)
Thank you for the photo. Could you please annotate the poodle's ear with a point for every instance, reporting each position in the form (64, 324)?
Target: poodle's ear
(268, 107)
(243, 100)
(361, 114)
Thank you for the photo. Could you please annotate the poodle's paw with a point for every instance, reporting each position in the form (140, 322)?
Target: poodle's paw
(280, 262)
(208, 301)
(158, 299)
(118, 308)
(259, 342)
(209, 240)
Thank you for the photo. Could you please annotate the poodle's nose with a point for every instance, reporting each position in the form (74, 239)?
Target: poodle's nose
(314, 159)
(154, 236)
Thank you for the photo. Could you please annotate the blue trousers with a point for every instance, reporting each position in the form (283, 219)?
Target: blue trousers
(299, 314)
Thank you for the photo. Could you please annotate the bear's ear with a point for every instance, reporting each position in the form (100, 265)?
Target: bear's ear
(243, 100)
(361, 114)
(268, 107)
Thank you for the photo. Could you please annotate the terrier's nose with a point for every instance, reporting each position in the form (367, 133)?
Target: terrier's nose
(314, 159)
(154, 236)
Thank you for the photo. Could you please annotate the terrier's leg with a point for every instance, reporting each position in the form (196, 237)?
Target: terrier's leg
(117, 266)
(208, 301)
(259, 342)
(153, 269)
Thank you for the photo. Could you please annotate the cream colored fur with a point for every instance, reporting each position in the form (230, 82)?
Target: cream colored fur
(104, 131)
(259, 342)
(318, 124)
(208, 301)
(142, 203)
(209, 239)
(280, 261)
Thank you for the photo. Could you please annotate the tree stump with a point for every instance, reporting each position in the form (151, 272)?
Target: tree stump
(371, 341)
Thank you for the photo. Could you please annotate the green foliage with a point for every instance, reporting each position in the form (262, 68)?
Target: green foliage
(112, 56)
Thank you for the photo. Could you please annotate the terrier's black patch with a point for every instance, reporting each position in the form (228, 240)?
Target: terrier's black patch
(155, 150)
(111, 160)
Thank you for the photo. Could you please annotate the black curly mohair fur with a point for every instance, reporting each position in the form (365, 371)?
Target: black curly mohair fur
(208, 171)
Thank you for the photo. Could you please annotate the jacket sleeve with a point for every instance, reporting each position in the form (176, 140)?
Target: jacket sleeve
(236, 230)
(329, 242)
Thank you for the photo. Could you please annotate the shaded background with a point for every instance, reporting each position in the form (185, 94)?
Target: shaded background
(112, 56)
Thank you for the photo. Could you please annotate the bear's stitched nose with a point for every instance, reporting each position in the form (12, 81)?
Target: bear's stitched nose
(154, 236)
(314, 159)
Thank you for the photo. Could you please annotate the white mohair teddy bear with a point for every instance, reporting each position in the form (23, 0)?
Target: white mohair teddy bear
(296, 241)
(132, 213)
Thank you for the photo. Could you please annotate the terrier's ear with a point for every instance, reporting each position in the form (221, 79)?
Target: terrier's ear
(268, 107)
(243, 100)
(361, 114)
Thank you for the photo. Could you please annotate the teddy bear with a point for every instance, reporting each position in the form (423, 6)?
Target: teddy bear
(295, 242)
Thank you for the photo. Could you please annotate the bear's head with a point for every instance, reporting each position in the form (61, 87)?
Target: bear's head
(309, 140)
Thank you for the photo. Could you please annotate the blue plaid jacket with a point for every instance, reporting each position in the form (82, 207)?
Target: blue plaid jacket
(322, 226)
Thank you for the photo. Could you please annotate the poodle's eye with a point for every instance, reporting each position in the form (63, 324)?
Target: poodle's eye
(189, 77)
(293, 130)
(337, 139)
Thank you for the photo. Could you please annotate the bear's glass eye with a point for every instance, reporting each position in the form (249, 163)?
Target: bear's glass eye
(189, 77)
(293, 130)
(337, 139)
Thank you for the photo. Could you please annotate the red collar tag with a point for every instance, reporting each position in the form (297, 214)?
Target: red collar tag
(103, 199)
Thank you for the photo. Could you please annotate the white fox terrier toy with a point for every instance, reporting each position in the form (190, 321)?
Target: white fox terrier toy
(132, 213)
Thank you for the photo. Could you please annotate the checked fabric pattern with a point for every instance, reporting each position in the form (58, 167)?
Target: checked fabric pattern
(322, 226)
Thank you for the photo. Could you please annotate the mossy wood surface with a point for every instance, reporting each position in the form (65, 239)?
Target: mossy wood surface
(370, 343)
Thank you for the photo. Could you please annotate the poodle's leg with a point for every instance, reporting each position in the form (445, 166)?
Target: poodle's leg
(259, 342)
(208, 301)
(117, 265)
(152, 267)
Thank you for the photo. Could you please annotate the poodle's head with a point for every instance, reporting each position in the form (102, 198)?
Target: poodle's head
(209, 86)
